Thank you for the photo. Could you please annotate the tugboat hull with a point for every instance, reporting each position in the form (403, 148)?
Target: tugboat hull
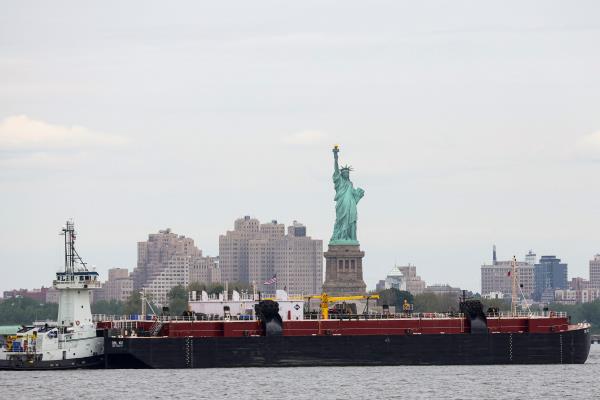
(26, 363)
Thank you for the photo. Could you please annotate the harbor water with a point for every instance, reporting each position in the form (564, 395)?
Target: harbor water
(422, 382)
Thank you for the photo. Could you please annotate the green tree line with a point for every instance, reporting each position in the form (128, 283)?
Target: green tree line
(587, 312)
(23, 310)
(424, 302)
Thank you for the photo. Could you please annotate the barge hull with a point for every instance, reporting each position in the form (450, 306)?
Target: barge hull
(567, 347)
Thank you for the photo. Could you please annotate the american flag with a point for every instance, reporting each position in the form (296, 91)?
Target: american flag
(271, 280)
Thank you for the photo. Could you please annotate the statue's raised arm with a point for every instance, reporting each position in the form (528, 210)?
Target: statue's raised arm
(346, 198)
(336, 167)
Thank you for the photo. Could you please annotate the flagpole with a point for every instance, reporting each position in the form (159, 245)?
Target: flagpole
(513, 299)
(271, 281)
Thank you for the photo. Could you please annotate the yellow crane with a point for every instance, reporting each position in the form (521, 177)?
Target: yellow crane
(326, 299)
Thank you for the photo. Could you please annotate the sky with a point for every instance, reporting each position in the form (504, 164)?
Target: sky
(467, 123)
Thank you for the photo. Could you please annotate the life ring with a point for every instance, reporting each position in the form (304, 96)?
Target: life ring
(77, 323)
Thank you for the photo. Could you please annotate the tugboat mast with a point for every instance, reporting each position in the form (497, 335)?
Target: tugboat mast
(74, 285)
(71, 255)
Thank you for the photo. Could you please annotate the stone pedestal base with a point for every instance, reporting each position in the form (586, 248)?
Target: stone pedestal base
(343, 271)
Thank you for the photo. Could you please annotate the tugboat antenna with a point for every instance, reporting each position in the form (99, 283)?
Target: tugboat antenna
(71, 255)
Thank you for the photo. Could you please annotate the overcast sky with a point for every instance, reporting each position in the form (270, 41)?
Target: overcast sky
(467, 123)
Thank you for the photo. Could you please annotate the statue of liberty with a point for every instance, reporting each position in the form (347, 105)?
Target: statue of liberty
(346, 199)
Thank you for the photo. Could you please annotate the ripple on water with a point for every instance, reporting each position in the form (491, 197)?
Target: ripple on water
(422, 382)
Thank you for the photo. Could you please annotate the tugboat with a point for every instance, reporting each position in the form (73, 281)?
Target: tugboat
(71, 342)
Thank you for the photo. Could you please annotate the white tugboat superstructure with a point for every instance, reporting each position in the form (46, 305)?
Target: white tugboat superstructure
(71, 342)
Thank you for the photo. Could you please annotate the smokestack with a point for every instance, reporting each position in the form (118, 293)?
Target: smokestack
(494, 259)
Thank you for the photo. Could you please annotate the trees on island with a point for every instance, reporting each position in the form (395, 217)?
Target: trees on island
(394, 297)
(23, 310)
(586, 312)
(112, 307)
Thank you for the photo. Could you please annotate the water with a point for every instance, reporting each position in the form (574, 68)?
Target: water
(484, 382)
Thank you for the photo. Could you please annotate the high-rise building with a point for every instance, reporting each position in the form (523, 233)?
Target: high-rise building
(550, 274)
(576, 296)
(175, 273)
(164, 261)
(262, 251)
(414, 284)
(403, 278)
(393, 280)
(205, 270)
(118, 287)
(154, 254)
(565, 296)
(496, 277)
(579, 283)
(254, 252)
(298, 262)
(595, 272)
(531, 258)
(443, 290)
(233, 249)
(526, 279)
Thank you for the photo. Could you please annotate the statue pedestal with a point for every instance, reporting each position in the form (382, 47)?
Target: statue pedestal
(343, 270)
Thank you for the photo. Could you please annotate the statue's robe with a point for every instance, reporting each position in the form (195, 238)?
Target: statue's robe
(346, 198)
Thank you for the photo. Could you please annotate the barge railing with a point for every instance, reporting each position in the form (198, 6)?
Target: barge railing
(128, 320)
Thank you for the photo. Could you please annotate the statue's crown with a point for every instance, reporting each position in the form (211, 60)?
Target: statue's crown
(346, 168)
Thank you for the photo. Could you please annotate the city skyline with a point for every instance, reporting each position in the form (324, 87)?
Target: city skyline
(522, 261)
(467, 124)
